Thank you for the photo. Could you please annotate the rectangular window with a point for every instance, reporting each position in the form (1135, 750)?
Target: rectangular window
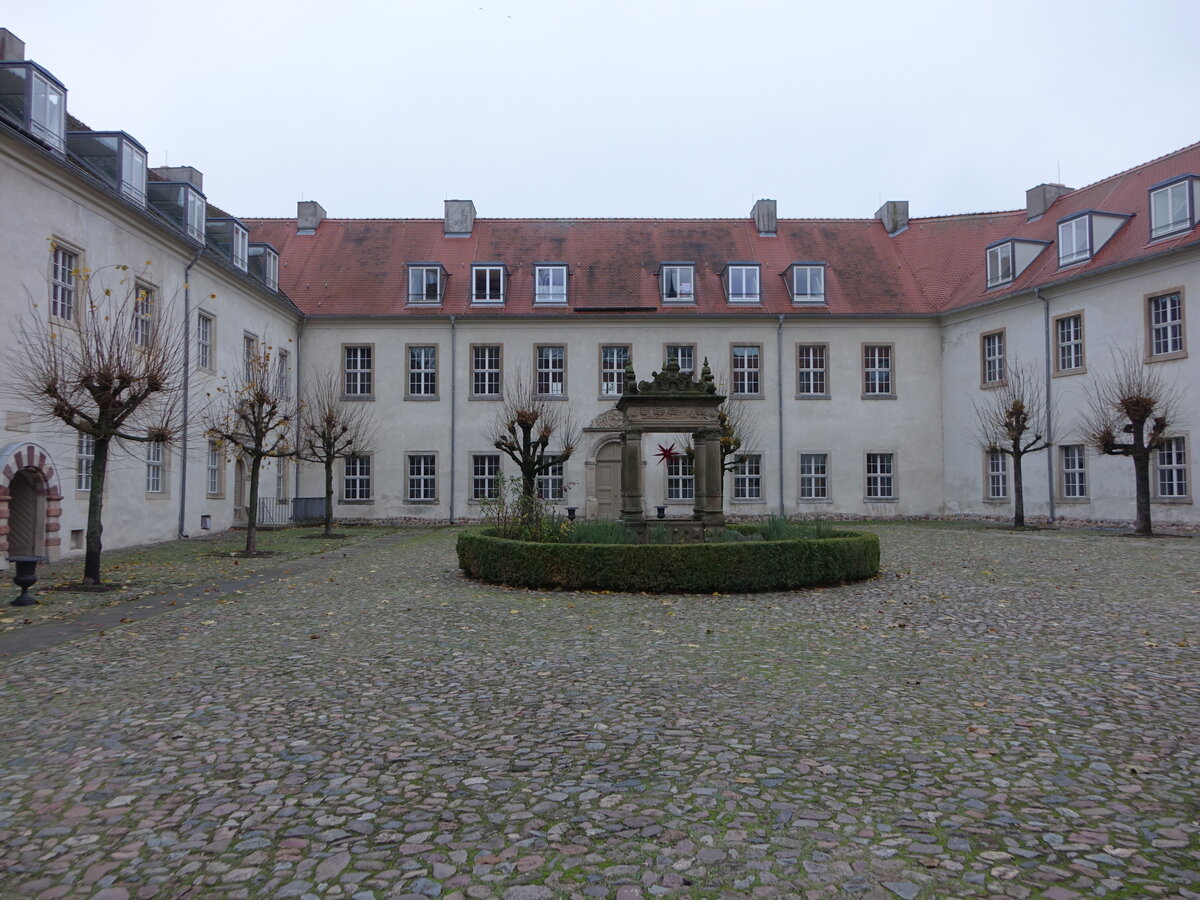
(196, 209)
(359, 372)
(550, 284)
(814, 476)
(241, 247)
(281, 479)
(62, 284)
(85, 455)
(880, 476)
(678, 283)
(551, 371)
(204, 341)
(485, 474)
(143, 315)
(215, 467)
(154, 467)
(747, 363)
(681, 480)
(992, 351)
(997, 466)
(249, 357)
(424, 284)
(1074, 471)
(743, 284)
(356, 481)
(1068, 342)
(999, 265)
(747, 477)
(1166, 324)
(877, 370)
(485, 370)
(613, 360)
(551, 484)
(283, 378)
(487, 284)
(422, 371)
(808, 284)
(1171, 209)
(1171, 465)
(1074, 242)
(684, 355)
(810, 371)
(422, 477)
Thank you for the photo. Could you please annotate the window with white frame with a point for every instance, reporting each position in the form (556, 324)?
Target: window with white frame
(551, 365)
(358, 371)
(85, 455)
(1171, 467)
(143, 315)
(485, 370)
(241, 247)
(881, 484)
(681, 479)
(742, 284)
(814, 476)
(992, 348)
(1068, 342)
(281, 469)
(1171, 208)
(487, 284)
(877, 370)
(485, 476)
(1166, 324)
(1074, 471)
(214, 469)
(999, 264)
(551, 484)
(1074, 240)
(747, 477)
(422, 371)
(154, 467)
(683, 355)
(204, 341)
(679, 283)
(196, 208)
(810, 370)
(997, 471)
(424, 284)
(613, 359)
(550, 284)
(747, 366)
(63, 274)
(808, 284)
(356, 477)
(422, 477)
(249, 357)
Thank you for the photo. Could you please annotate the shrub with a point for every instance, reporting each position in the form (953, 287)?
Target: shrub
(780, 528)
(599, 531)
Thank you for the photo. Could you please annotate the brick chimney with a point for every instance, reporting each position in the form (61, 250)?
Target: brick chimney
(460, 218)
(309, 215)
(1039, 199)
(12, 48)
(763, 214)
(894, 216)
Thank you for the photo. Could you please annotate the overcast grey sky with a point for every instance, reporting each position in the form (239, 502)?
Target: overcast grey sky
(651, 108)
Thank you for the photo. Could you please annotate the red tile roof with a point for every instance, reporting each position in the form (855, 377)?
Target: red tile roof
(359, 266)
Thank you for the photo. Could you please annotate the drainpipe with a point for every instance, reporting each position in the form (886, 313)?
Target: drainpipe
(779, 393)
(187, 389)
(453, 408)
(1037, 292)
(299, 426)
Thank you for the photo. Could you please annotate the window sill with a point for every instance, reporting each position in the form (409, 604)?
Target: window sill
(487, 302)
(549, 302)
(817, 500)
(1181, 229)
(880, 499)
(1172, 501)
(412, 302)
(422, 397)
(486, 397)
(992, 385)
(813, 397)
(999, 284)
(804, 301)
(220, 496)
(344, 502)
(1073, 501)
(551, 396)
(748, 396)
(1070, 263)
(1066, 373)
(878, 396)
(358, 398)
(678, 301)
(411, 502)
(996, 501)
(747, 501)
(748, 302)
(1167, 357)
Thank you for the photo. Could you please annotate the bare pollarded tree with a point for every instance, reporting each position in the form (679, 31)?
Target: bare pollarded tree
(1013, 419)
(108, 361)
(332, 428)
(526, 426)
(1140, 402)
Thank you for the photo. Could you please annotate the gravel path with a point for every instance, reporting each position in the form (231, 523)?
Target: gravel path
(996, 715)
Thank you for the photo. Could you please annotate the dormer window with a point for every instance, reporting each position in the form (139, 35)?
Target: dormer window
(181, 203)
(35, 101)
(425, 281)
(263, 264)
(487, 283)
(550, 284)
(232, 239)
(115, 157)
(1083, 235)
(1172, 207)
(808, 282)
(742, 283)
(678, 281)
(1000, 264)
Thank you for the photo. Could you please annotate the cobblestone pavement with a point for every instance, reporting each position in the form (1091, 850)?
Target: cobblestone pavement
(998, 714)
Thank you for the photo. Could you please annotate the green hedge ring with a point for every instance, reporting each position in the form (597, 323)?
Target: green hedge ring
(676, 568)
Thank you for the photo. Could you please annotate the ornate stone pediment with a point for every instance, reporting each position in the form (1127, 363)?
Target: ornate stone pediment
(609, 420)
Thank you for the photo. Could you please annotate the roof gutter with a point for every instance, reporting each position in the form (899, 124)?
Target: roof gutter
(187, 388)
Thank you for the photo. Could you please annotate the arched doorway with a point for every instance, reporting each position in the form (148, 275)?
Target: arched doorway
(30, 502)
(23, 515)
(608, 481)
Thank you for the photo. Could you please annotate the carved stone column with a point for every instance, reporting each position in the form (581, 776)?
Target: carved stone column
(699, 473)
(631, 475)
(708, 476)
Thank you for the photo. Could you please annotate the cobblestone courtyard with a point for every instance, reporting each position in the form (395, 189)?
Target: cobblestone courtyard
(998, 714)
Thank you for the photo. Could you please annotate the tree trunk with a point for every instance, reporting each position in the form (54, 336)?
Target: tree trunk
(1141, 472)
(1018, 492)
(95, 525)
(252, 507)
(329, 496)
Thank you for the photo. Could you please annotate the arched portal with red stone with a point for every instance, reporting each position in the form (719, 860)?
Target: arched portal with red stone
(30, 502)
